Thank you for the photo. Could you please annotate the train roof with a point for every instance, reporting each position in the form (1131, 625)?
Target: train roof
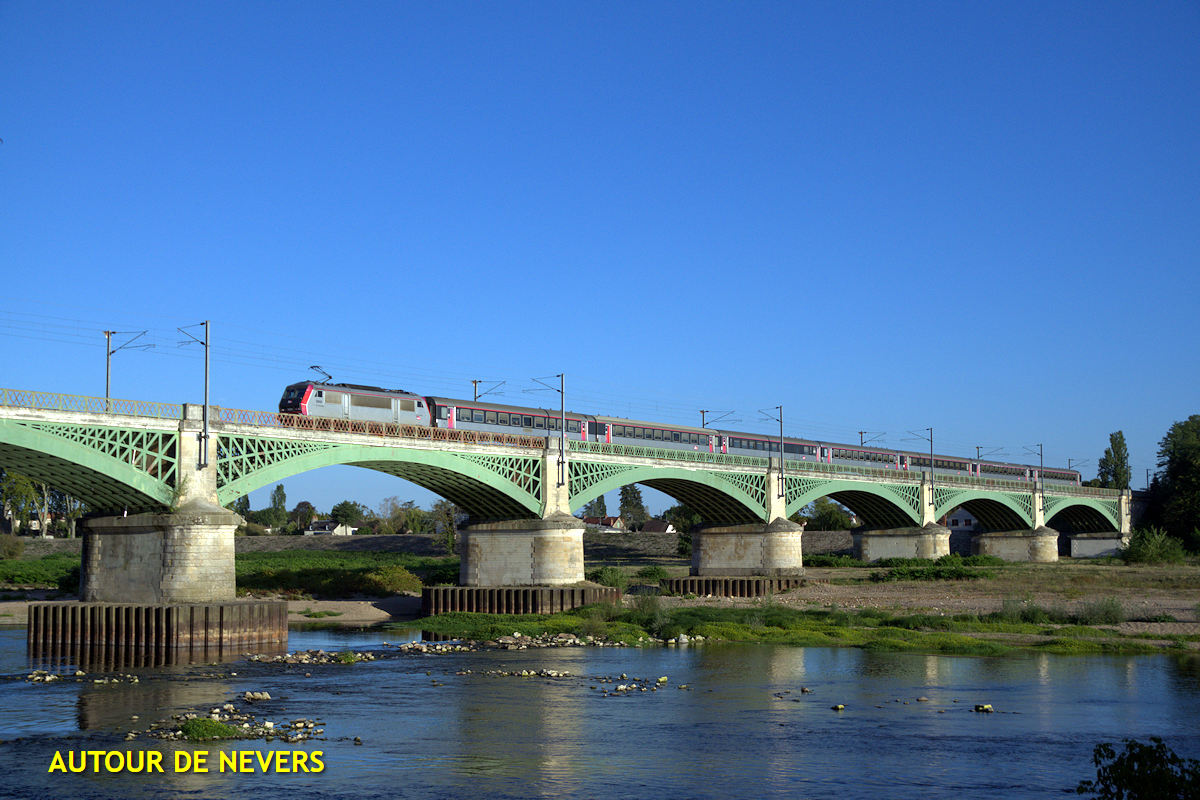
(485, 404)
(671, 426)
(355, 386)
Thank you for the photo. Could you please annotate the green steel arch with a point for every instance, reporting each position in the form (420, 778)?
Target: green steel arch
(109, 468)
(486, 486)
(1082, 513)
(724, 497)
(996, 511)
(878, 505)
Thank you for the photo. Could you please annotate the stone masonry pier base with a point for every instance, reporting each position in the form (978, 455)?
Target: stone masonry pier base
(739, 550)
(930, 541)
(181, 557)
(1039, 545)
(526, 552)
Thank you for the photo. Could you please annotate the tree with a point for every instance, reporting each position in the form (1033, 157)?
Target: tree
(18, 496)
(824, 514)
(633, 510)
(1113, 467)
(241, 506)
(279, 498)
(1142, 772)
(685, 519)
(1179, 477)
(596, 508)
(348, 512)
(68, 508)
(42, 509)
(302, 515)
(446, 519)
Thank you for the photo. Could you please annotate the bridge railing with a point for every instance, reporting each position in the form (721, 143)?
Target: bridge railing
(271, 419)
(50, 401)
(694, 456)
(852, 469)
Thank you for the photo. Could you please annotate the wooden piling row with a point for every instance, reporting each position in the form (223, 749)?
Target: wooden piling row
(730, 587)
(513, 599)
(151, 635)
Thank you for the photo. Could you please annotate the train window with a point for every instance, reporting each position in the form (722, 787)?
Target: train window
(639, 433)
(539, 422)
(404, 403)
(674, 436)
(443, 412)
(420, 404)
(658, 434)
(527, 421)
(463, 415)
(333, 398)
(572, 426)
(321, 395)
(502, 418)
(489, 417)
(554, 423)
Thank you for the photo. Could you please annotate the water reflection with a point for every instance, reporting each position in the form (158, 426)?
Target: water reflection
(744, 728)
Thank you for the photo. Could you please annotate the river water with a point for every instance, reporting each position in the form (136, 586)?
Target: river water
(741, 729)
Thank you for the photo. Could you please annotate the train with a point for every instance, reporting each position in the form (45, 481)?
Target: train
(356, 402)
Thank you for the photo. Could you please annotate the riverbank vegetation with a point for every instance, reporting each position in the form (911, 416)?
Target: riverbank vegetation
(1021, 626)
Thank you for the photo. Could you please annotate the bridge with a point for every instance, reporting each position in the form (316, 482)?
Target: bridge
(167, 470)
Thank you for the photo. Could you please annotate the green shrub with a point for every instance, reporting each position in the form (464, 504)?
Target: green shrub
(929, 573)
(10, 546)
(983, 561)
(1102, 612)
(1152, 546)
(652, 574)
(824, 560)
(69, 580)
(392, 579)
(608, 576)
(202, 729)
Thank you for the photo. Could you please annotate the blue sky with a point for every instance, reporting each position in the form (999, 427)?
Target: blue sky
(983, 218)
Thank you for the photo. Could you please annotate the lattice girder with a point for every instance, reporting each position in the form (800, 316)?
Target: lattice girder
(877, 505)
(996, 511)
(109, 468)
(1082, 514)
(721, 497)
(485, 485)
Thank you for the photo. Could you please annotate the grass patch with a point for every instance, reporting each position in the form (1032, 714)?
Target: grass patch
(45, 572)
(308, 612)
(933, 572)
(768, 623)
(323, 573)
(202, 729)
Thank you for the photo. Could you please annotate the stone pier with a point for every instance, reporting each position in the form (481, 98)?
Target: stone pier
(929, 541)
(523, 552)
(163, 581)
(774, 549)
(1039, 545)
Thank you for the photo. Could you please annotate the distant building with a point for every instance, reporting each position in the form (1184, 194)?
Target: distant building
(961, 519)
(328, 526)
(611, 523)
(658, 526)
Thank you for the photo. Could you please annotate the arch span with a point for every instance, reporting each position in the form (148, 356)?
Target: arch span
(878, 506)
(111, 470)
(724, 498)
(1081, 515)
(995, 511)
(486, 486)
